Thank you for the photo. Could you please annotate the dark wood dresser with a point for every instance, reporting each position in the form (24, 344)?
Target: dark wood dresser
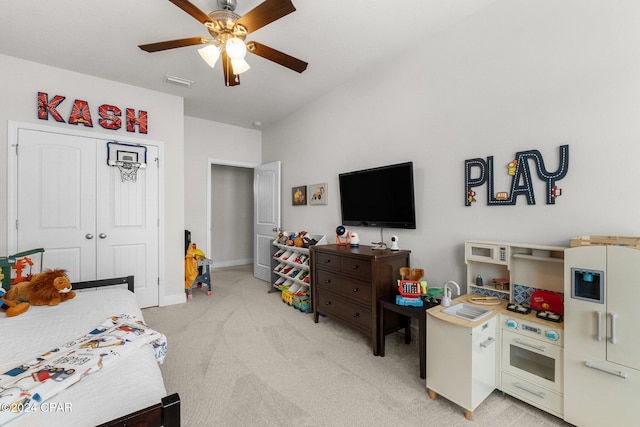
(347, 283)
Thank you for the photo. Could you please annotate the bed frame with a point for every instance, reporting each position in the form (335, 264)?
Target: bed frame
(165, 413)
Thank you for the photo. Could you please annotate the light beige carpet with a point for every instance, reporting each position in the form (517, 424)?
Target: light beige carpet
(244, 358)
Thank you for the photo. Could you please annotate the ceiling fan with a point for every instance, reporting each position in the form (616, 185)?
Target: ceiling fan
(229, 31)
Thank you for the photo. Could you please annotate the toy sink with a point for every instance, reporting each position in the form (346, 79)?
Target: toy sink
(467, 311)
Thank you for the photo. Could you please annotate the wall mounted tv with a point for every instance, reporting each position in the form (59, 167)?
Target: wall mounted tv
(378, 197)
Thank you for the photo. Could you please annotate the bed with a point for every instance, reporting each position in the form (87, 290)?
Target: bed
(127, 392)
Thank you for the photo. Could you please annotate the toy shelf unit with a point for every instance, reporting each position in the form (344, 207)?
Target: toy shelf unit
(512, 271)
(291, 272)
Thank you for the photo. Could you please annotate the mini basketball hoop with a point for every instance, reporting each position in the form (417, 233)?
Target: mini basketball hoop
(128, 158)
(128, 170)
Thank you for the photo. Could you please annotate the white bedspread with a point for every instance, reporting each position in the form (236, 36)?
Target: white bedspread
(133, 383)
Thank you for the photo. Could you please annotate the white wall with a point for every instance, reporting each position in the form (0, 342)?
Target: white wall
(519, 75)
(22, 80)
(207, 141)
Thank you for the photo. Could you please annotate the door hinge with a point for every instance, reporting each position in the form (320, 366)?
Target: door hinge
(16, 224)
(157, 163)
(16, 145)
(158, 281)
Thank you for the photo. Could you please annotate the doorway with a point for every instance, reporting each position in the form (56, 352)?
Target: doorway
(264, 188)
(230, 233)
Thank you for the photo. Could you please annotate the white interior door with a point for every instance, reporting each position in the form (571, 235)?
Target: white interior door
(76, 207)
(127, 226)
(56, 201)
(266, 181)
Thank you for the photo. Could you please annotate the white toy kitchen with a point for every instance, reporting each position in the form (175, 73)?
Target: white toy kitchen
(557, 331)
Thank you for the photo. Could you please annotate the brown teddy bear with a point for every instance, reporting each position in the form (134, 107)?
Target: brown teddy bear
(47, 288)
(414, 274)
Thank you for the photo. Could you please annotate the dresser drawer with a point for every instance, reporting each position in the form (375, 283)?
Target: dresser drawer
(360, 268)
(344, 286)
(328, 261)
(335, 305)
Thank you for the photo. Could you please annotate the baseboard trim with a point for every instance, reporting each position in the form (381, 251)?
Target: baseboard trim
(173, 299)
(232, 263)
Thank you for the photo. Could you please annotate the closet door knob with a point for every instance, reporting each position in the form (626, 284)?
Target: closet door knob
(102, 236)
(88, 236)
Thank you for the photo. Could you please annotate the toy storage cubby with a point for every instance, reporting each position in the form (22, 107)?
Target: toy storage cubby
(291, 272)
(523, 267)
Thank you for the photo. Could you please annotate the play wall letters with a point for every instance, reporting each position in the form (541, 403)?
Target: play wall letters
(81, 114)
(479, 172)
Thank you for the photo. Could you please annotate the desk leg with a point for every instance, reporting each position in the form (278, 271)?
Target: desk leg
(380, 332)
(422, 330)
(407, 329)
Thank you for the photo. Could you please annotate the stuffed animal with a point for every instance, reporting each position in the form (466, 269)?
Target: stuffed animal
(47, 288)
(12, 308)
(414, 274)
(298, 242)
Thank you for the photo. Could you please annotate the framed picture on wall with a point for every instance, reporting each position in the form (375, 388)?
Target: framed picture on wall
(317, 194)
(299, 195)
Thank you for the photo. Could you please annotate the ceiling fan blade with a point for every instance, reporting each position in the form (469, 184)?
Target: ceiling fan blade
(230, 79)
(265, 13)
(172, 44)
(192, 10)
(276, 56)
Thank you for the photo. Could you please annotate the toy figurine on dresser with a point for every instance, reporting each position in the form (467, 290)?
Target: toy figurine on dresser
(342, 236)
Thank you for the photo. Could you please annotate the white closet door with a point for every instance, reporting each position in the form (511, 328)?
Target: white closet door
(127, 230)
(89, 222)
(56, 207)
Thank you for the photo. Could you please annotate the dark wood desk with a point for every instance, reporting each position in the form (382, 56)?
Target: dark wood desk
(388, 304)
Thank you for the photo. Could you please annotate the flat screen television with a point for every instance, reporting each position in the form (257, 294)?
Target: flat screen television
(378, 197)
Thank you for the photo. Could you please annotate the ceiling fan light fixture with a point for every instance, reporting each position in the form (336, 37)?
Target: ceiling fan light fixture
(210, 54)
(236, 49)
(239, 65)
(229, 32)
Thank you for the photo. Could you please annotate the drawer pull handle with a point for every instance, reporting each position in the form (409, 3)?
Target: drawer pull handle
(328, 261)
(327, 303)
(355, 290)
(613, 328)
(488, 342)
(620, 374)
(327, 281)
(356, 315)
(354, 267)
(540, 394)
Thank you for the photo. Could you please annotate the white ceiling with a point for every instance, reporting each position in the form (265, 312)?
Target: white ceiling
(338, 38)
